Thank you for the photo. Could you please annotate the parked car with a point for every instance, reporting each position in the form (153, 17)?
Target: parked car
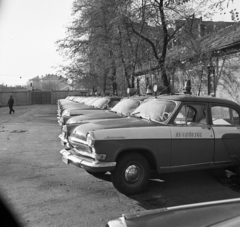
(122, 109)
(78, 102)
(222, 213)
(164, 134)
(100, 105)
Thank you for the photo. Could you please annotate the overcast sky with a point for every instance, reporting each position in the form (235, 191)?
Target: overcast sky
(28, 32)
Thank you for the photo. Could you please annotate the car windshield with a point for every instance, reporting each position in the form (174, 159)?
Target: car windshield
(86, 100)
(126, 106)
(77, 99)
(100, 103)
(91, 101)
(155, 110)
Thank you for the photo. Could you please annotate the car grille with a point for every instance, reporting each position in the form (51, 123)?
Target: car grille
(81, 137)
(80, 147)
(84, 148)
(81, 154)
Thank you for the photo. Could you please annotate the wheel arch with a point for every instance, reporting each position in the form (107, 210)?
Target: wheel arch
(144, 152)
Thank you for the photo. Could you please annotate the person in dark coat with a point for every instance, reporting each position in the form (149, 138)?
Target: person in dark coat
(10, 104)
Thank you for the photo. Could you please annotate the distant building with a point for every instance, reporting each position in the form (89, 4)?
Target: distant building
(48, 82)
(198, 28)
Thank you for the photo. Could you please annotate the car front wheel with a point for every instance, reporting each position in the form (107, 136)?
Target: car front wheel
(131, 174)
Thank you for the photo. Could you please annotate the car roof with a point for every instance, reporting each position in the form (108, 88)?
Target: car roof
(136, 97)
(192, 98)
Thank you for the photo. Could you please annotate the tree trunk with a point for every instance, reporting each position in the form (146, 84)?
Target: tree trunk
(164, 75)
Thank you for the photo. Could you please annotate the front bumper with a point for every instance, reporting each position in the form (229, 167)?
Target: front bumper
(63, 140)
(86, 163)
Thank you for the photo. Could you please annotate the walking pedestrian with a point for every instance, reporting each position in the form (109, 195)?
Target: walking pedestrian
(10, 104)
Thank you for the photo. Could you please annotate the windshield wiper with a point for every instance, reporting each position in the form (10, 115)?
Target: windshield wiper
(112, 111)
(148, 118)
(134, 115)
(122, 114)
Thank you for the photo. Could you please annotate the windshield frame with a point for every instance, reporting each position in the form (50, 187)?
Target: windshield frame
(139, 114)
(99, 100)
(123, 111)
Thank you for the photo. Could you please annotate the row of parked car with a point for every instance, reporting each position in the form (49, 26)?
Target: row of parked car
(133, 136)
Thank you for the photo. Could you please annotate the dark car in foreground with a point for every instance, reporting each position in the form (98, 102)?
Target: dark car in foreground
(164, 134)
(222, 213)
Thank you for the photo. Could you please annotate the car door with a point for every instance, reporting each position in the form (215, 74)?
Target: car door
(226, 127)
(192, 138)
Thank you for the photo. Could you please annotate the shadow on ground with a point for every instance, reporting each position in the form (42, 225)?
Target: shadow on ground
(186, 187)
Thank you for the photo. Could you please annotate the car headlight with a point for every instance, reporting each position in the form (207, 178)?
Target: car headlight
(90, 140)
(66, 113)
(69, 122)
(64, 128)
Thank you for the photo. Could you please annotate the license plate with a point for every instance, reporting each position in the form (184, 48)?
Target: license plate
(65, 160)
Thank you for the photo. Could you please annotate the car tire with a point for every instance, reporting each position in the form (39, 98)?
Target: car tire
(96, 174)
(131, 174)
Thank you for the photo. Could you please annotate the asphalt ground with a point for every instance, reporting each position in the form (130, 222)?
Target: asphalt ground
(40, 190)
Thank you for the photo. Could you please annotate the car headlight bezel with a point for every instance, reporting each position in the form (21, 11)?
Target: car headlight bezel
(90, 140)
(66, 113)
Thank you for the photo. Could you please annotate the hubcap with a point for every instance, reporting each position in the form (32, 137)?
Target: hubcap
(132, 174)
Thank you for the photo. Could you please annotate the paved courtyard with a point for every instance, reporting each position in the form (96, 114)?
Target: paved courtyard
(43, 191)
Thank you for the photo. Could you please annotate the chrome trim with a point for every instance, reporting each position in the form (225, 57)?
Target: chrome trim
(60, 122)
(74, 139)
(67, 145)
(118, 222)
(181, 207)
(204, 204)
(222, 162)
(84, 153)
(191, 165)
(202, 164)
(62, 138)
(64, 128)
(85, 161)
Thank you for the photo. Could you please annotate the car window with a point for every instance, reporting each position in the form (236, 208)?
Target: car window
(194, 114)
(91, 101)
(112, 103)
(185, 115)
(126, 106)
(222, 115)
(155, 110)
(101, 103)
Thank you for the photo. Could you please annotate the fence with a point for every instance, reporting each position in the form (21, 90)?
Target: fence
(22, 98)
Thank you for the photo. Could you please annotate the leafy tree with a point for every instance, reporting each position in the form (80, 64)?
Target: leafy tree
(228, 80)
(109, 39)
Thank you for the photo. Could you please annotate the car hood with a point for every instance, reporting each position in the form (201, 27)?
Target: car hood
(94, 116)
(215, 214)
(95, 125)
(75, 111)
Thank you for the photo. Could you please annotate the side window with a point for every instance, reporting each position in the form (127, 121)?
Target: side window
(192, 115)
(112, 103)
(222, 115)
(185, 115)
